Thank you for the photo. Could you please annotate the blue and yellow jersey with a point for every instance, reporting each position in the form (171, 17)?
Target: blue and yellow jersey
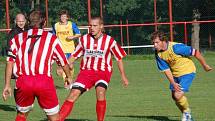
(177, 59)
(63, 31)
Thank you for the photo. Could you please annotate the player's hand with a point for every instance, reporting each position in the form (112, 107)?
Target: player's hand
(7, 91)
(177, 87)
(68, 82)
(207, 68)
(125, 81)
(70, 37)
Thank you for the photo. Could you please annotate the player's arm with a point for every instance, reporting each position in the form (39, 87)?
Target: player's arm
(122, 73)
(60, 56)
(68, 78)
(7, 91)
(169, 76)
(163, 66)
(185, 50)
(71, 61)
(201, 59)
(119, 53)
(76, 30)
(11, 56)
(76, 54)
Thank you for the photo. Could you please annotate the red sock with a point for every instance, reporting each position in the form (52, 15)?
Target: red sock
(20, 118)
(65, 110)
(100, 110)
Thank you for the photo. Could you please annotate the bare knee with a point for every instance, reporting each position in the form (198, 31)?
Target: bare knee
(100, 93)
(54, 117)
(177, 95)
(74, 95)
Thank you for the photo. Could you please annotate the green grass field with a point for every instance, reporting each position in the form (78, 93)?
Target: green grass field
(146, 99)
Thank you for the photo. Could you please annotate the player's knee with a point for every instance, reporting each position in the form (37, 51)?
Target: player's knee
(177, 95)
(54, 117)
(101, 84)
(74, 94)
(100, 92)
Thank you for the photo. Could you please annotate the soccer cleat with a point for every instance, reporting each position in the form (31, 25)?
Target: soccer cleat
(187, 117)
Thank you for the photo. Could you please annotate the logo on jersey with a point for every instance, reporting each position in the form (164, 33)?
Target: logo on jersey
(94, 53)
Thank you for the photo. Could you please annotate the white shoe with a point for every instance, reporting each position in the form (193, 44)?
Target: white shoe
(187, 116)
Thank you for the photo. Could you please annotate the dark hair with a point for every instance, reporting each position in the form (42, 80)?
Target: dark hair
(99, 18)
(36, 18)
(62, 12)
(160, 34)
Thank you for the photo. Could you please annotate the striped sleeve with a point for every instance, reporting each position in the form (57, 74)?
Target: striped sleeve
(184, 50)
(78, 50)
(117, 51)
(12, 52)
(60, 56)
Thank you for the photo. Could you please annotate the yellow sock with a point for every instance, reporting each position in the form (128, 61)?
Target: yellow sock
(183, 104)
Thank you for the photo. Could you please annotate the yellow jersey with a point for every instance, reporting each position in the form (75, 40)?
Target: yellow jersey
(63, 31)
(176, 58)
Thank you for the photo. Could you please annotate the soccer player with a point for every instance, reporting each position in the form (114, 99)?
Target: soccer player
(31, 56)
(174, 60)
(66, 31)
(97, 49)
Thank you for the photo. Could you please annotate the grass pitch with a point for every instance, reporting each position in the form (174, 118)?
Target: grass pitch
(146, 99)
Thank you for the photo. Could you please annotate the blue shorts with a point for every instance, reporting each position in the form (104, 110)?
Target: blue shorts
(67, 55)
(185, 81)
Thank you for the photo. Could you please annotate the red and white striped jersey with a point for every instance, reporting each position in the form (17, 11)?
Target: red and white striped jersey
(33, 52)
(97, 53)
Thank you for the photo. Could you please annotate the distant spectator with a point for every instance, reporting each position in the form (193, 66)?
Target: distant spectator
(21, 25)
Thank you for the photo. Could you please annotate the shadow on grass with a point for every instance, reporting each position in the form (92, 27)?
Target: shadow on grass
(7, 107)
(71, 120)
(157, 118)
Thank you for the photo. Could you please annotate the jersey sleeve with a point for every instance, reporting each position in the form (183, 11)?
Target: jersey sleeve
(78, 50)
(184, 50)
(161, 64)
(12, 50)
(75, 28)
(117, 51)
(59, 55)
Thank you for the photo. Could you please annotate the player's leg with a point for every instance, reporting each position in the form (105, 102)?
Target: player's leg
(101, 87)
(78, 88)
(47, 96)
(67, 106)
(24, 98)
(180, 99)
(21, 116)
(101, 103)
